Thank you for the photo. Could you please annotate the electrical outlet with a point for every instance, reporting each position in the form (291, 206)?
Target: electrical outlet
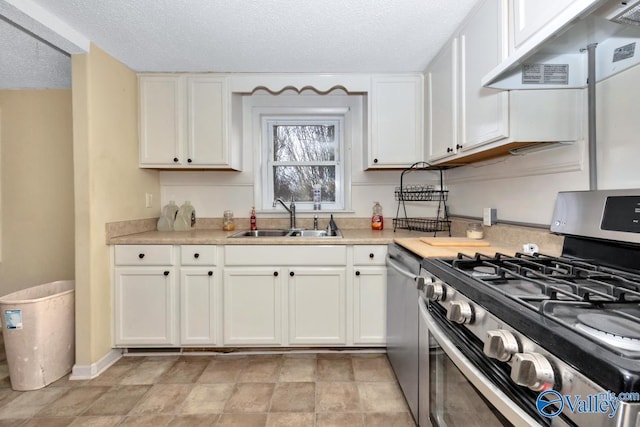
(148, 200)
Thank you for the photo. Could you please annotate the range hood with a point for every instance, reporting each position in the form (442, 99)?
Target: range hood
(555, 58)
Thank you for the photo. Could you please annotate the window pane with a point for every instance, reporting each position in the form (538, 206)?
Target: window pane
(297, 181)
(304, 143)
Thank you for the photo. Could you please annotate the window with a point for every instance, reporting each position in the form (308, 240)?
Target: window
(300, 152)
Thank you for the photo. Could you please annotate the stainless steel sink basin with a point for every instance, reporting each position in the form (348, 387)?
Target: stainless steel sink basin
(262, 233)
(314, 233)
(288, 233)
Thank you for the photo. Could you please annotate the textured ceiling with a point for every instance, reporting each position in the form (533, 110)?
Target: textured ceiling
(254, 36)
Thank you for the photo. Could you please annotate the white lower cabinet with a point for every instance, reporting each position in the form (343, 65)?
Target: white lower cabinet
(369, 295)
(198, 306)
(145, 306)
(317, 305)
(252, 306)
(253, 295)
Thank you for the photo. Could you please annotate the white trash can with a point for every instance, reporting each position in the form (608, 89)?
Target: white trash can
(38, 325)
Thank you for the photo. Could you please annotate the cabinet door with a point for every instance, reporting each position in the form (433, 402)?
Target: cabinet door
(207, 142)
(370, 305)
(161, 126)
(198, 306)
(529, 16)
(252, 306)
(317, 305)
(396, 138)
(145, 306)
(484, 112)
(442, 108)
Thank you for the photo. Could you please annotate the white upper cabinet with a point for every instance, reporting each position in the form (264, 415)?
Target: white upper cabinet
(467, 122)
(395, 121)
(184, 122)
(461, 114)
(528, 17)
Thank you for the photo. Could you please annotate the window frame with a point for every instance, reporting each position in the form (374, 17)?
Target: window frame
(267, 122)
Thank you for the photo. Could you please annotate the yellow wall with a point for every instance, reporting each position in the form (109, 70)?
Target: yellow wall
(36, 174)
(109, 186)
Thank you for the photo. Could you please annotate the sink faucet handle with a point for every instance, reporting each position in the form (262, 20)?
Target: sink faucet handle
(315, 222)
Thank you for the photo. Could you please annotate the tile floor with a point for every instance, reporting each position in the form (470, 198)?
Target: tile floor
(323, 389)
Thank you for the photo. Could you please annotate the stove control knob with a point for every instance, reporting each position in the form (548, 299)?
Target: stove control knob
(501, 345)
(532, 370)
(435, 291)
(460, 312)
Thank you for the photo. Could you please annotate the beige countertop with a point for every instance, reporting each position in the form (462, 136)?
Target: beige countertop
(356, 236)
(420, 248)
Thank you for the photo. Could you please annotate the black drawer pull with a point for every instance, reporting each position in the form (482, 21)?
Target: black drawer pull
(210, 273)
(196, 255)
(166, 273)
(291, 273)
(357, 273)
(371, 255)
(175, 160)
(140, 256)
(275, 274)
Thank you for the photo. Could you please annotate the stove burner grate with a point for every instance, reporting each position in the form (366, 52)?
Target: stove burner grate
(616, 331)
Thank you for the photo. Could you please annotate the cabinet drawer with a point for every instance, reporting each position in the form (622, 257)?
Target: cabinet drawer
(143, 255)
(198, 255)
(285, 255)
(369, 254)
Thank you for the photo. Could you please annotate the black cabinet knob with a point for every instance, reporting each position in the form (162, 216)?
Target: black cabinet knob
(189, 160)
(210, 273)
(291, 273)
(196, 255)
(458, 146)
(175, 160)
(449, 149)
(140, 256)
(375, 160)
(357, 273)
(166, 273)
(275, 274)
(371, 255)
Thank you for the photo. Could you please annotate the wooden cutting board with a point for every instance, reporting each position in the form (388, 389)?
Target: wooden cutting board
(453, 241)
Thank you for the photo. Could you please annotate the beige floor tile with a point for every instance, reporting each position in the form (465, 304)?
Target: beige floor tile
(113, 375)
(261, 369)
(97, 421)
(372, 368)
(294, 397)
(337, 397)
(66, 381)
(119, 400)
(29, 403)
(334, 369)
(242, 420)
(389, 419)
(48, 422)
(162, 399)
(290, 419)
(381, 397)
(147, 420)
(223, 370)
(7, 395)
(207, 399)
(201, 420)
(346, 419)
(74, 402)
(12, 422)
(298, 369)
(250, 397)
(184, 371)
(147, 372)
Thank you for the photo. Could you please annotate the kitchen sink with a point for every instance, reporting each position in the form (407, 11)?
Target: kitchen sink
(288, 233)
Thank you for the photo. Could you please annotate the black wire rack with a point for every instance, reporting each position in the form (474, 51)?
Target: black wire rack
(422, 193)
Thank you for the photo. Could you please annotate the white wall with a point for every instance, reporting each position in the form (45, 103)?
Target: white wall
(524, 189)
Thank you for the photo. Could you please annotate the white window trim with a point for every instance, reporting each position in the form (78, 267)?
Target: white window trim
(262, 202)
(267, 154)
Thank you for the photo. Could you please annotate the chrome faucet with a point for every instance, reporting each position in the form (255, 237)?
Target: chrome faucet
(291, 209)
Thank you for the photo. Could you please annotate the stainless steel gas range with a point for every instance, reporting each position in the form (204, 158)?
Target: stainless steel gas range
(538, 339)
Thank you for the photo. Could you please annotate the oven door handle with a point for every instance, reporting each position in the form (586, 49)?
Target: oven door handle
(497, 398)
(418, 279)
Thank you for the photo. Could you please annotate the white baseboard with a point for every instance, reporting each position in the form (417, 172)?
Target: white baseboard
(87, 372)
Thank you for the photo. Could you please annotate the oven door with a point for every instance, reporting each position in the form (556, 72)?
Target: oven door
(460, 395)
